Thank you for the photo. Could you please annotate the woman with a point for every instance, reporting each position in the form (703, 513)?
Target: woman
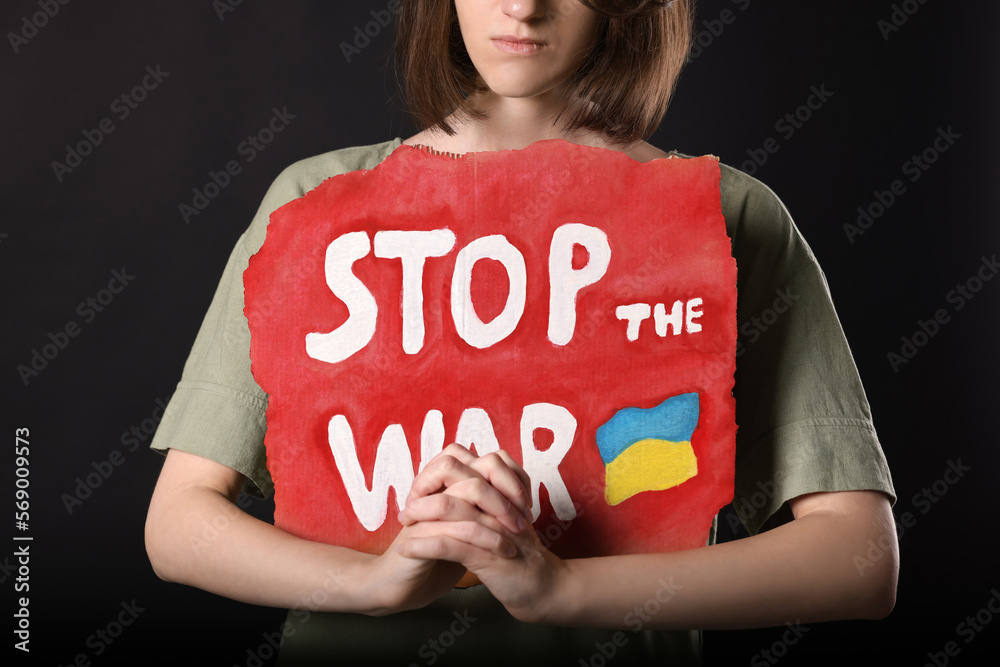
(485, 75)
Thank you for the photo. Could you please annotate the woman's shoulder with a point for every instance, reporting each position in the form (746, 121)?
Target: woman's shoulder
(304, 175)
(740, 190)
(760, 226)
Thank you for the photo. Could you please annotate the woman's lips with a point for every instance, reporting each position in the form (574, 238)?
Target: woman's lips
(518, 45)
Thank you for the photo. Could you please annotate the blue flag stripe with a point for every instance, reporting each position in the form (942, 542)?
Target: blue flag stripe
(673, 420)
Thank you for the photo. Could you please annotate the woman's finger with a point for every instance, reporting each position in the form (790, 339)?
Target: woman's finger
(450, 466)
(516, 467)
(456, 541)
(505, 475)
(494, 483)
(484, 496)
(465, 500)
(446, 507)
(498, 468)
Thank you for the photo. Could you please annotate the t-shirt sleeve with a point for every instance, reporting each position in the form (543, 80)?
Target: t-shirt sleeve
(804, 422)
(218, 410)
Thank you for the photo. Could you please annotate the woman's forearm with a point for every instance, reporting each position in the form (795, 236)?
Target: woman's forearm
(200, 538)
(196, 535)
(832, 563)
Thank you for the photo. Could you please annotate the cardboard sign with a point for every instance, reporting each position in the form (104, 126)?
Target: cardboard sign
(567, 304)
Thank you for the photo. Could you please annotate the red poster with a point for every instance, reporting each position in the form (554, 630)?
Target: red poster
(564, 303)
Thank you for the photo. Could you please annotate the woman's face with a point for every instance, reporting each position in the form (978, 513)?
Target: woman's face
(526, 48)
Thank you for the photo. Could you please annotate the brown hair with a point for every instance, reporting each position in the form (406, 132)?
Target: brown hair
(622, 90)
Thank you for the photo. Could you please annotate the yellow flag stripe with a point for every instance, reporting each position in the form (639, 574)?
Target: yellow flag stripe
(649, 465)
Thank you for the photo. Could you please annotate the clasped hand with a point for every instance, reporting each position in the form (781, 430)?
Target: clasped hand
(472, 512)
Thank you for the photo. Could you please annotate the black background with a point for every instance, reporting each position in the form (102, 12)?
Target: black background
(61, 240)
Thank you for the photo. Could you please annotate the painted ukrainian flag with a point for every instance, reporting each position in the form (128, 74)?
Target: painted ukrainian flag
(648, 449)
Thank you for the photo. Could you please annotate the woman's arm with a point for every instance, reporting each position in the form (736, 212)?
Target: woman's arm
(838, 559)
(196, 535)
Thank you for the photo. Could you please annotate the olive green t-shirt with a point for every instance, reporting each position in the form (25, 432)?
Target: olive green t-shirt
(804, 426)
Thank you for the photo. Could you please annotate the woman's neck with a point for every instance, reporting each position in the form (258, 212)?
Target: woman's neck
(515, 123)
